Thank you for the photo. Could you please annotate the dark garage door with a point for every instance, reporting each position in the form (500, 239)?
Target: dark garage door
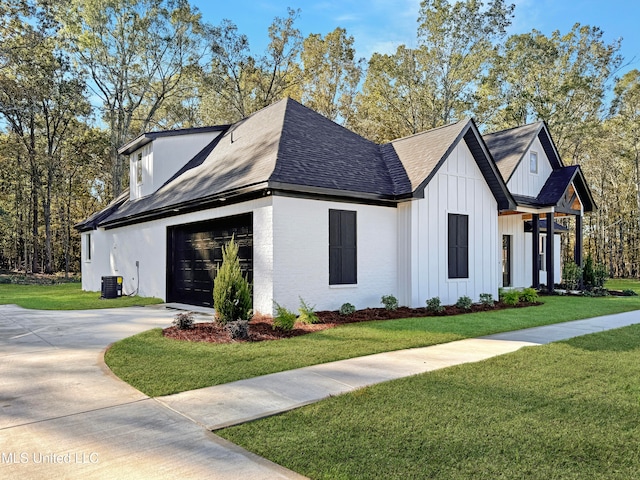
(194, 254)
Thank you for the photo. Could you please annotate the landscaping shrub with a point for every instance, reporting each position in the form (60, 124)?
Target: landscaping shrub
(238, 329)
(231, 292)
(434, 305)
(571, 275)
(347, 309)
(184, 321)
(464, 302)
(285, 319)
(511, 297)
(629, 293)
(307, 313)
(587, 272)
(600, 275)
(599, 292)
(486, 299)
(529, 295)
(390, 302)
(594, 275)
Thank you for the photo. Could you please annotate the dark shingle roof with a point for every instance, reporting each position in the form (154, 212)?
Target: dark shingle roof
(558, 228)
(555, 187)
(92, 221)
(509, 146)
(288, 147)
(316, 152)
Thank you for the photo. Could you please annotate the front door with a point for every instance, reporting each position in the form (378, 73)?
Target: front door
(506, 260)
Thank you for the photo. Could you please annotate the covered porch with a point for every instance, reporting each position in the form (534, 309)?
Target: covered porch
(564, 194)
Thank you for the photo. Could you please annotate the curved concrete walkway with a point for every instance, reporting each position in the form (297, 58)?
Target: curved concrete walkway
(64, 415)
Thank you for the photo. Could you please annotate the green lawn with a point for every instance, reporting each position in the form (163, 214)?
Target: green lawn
(623, 284)
(159, 366)
(64, 296)
(568, 410)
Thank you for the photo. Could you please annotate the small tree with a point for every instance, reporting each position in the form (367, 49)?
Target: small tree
(587, 273)
(231, 292)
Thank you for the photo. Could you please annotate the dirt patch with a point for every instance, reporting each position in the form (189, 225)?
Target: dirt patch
(261, 326)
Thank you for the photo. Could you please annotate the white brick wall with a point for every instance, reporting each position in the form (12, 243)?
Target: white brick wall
(115, 252)
(301, 254)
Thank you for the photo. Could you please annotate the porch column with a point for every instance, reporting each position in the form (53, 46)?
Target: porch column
(535, 251)
(550, 254)
(578, 250)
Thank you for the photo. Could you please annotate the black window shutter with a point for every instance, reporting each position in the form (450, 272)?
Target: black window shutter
(342, 247)
(458, 243)
(463, 246)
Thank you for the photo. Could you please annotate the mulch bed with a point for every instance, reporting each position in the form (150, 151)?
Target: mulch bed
(261, 326)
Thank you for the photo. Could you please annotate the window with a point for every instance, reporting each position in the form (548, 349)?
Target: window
(139, 169)
(506, 260)
(458, 246)
(543, 253)
(87, 245)
(533, 162)
(342, 248)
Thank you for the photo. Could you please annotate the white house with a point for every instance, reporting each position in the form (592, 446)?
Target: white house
(324, 214)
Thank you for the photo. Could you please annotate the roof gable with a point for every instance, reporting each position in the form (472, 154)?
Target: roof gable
(423, 154)
(562, 186)
(565, 190)
(509, 147)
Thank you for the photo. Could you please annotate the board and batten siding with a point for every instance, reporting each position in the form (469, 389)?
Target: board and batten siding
(457, 188)
(116, 251)
(301, 254)
(523, 182)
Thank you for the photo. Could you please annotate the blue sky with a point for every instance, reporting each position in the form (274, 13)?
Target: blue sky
(382, 25)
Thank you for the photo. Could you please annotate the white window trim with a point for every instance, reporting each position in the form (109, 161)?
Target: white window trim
(87, 244)
(138, 164)
(533, 154)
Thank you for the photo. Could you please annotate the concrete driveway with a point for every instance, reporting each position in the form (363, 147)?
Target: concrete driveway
(64, 415)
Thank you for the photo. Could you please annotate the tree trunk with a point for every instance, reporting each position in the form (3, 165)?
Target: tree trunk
(48, 261)
(35, 259)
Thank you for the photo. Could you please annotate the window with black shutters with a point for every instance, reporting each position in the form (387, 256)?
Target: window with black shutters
(342, 247)
(458, 246)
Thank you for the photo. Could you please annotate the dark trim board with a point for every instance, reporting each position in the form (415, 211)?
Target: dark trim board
(194, 255)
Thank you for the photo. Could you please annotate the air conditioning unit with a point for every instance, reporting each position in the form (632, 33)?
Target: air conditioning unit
(111, 287)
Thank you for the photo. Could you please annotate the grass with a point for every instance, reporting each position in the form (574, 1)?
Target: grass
(64, 296)
(160, 366)
(567, 410)
(623, 284)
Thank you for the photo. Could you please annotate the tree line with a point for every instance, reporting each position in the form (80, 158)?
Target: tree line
(80, 78)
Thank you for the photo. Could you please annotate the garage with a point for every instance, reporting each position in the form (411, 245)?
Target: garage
(194, 255)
